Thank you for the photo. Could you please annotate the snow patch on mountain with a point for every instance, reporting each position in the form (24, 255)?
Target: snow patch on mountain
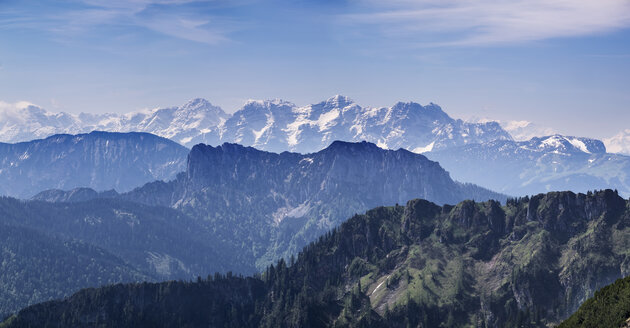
(425, 149)
(564, 145)
(579, 144)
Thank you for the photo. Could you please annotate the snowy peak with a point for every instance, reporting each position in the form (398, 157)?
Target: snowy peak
(519, 130)
(430, 112)
(266, 104)
(259, 123)
(23, 121)
(272, 125)
(567, 145)
(195, 121)
(338, 101)
(198, 109)
(199, 103)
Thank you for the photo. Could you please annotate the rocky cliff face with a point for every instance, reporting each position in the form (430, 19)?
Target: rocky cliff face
(98, 160)
(280, 202)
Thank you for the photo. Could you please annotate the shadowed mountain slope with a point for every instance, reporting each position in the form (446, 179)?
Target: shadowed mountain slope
(270, 205)
(98, 160)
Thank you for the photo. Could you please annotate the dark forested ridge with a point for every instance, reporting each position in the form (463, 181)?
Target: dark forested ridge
(529, 263)
(35, 267)
(51, 250)
(608, 308)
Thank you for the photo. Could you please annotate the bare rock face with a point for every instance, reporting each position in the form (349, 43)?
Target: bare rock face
(283, 201)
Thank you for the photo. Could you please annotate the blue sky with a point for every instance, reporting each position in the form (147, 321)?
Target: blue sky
(559, 63)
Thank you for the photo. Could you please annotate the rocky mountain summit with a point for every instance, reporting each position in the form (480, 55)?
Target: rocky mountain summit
(281, 202)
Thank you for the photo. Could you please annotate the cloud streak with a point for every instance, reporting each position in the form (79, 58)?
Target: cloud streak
(489, 22)
(176, 18)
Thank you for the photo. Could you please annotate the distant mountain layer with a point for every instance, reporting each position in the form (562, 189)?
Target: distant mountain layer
(530, 263)
(268, 125)
(264, 205)
(187, 124)
(515, 157)
(525, 130)
(541, 164)
(98, 160)
(279, 203)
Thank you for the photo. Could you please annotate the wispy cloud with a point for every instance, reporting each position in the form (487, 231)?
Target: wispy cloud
(489, 22)
(176, 18)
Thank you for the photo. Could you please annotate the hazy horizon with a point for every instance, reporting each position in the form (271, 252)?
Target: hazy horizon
(559, 64)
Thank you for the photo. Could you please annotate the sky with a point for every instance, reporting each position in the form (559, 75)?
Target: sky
(558, 63)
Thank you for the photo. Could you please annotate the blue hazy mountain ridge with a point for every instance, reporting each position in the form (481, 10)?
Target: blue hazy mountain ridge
(279, 203)
(268, 205)
(234, 208)
(98, 160)
(541, 164)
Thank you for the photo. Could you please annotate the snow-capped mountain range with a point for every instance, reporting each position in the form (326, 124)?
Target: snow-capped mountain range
(540, 164)
(278, 125)
(516, 157)
(272, 125)
(187, 124)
